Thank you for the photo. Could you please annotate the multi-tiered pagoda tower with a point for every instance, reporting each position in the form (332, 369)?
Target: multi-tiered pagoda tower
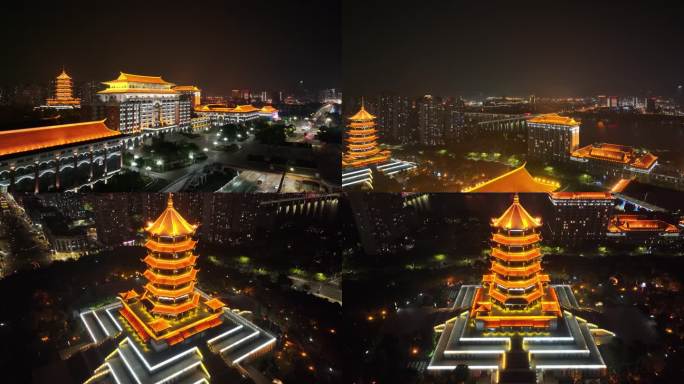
(170, 309)
(64, 93)
(362, 142)
(516, 292)
(515, 327)
(363, 154)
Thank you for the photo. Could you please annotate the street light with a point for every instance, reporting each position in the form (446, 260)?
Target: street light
(160, 162)
(206, 149)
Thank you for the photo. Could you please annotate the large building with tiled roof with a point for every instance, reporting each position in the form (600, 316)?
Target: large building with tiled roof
(164, 330)
(59, 157)
(615, 161)
(220, 114)
(136, 103)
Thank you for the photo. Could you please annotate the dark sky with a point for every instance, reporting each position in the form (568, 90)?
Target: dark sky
(565, 48)
(217, 45)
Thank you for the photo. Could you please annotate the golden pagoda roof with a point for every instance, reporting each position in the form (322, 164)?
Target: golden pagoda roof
(130, 78)
(516, 217)
(170, 223)
(636, 223)
(29, 139)
(63, 75)
(555, 119)
(214, 304)
(517, 180)
(128, 295)
(362, 114)
(268, 109)
(617, 153)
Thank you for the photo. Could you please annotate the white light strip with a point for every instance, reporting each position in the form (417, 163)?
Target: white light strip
(355, 182)
(485, 339)
(254, 350)
(113, 373)
(550, 338)
(451, 367)
(113, 319)
(475, 352)
(225, 334)
(364, 170)
(559, 351)
(88, 327)
(577, 366)
(100, 322)
(163, 363)
(256, 333)
(128, 366)
(178, 373)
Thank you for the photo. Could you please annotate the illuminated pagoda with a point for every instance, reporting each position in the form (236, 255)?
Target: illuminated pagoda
(163, 329)
(516, 327)
(363, 153)
(64, 93)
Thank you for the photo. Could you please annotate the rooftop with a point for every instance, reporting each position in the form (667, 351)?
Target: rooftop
(554, 119)
(25, 140)
(637, 223)
(581, 196)
(170, 223)
(517, 180)
(617, 153)
(516, 217)
(362, 114)
(130, 78)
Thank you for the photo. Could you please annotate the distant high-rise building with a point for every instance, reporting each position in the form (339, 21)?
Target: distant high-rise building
(552, 137)
(64, 93)
(613, 101)
(393, 117)
(380, 219)
(430, 121)
(651, 105)
(602, 101)
(88, 92)
(578, 217)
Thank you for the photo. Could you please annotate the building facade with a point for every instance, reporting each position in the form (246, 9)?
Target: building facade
(59, 157)
(136, 103)
(64, 94)
(577, 217)
(552, 138)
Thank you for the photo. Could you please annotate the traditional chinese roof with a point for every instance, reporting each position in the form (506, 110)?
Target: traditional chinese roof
(581, 195)
(268, 109)
(130, 78)
(158, 325)
(636, 223)
(362, 114)
(63, 75)
(128, 295)
(516, 217)
(214, 304)
(554, 119)
(226, 109)
(171, 223)
(24, 140)
(517, 180)
(617, 153)
(186, 88)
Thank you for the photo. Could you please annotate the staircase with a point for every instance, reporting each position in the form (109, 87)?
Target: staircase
(517, 369)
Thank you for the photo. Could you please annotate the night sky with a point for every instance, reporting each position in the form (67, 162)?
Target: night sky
(216, 45)
(564, 48)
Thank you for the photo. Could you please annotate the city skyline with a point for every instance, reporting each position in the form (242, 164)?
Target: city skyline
(503, 48)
